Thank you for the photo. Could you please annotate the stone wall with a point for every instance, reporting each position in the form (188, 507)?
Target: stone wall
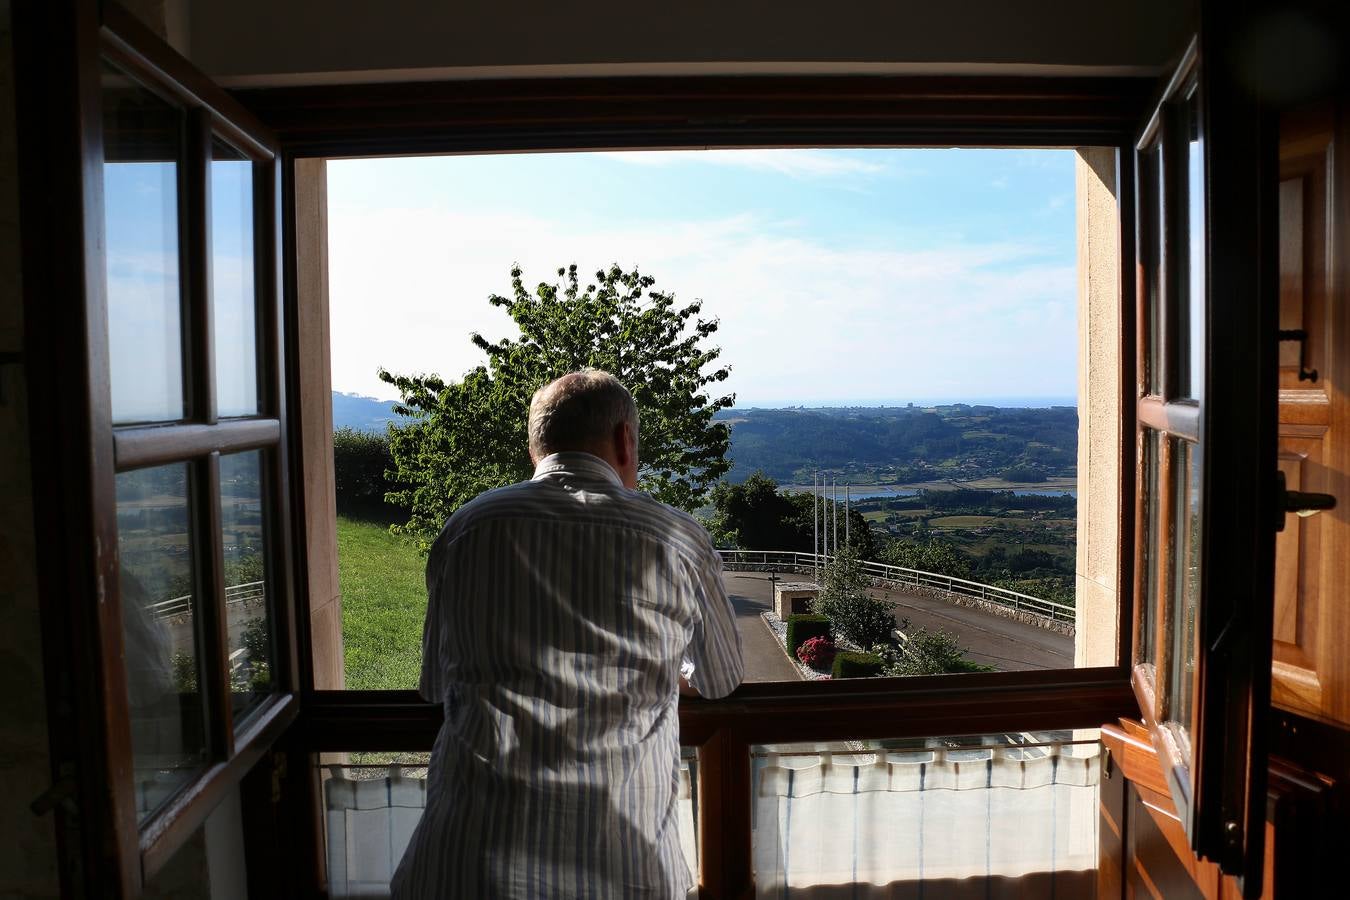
(1099, 398)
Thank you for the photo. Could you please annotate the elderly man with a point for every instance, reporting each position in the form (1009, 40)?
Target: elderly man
(565, 616)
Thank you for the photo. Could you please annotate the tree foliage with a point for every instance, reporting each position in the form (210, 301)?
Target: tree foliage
(845, 599)
(927, 556)
(927, 653)
(470, 435)
(755, 515)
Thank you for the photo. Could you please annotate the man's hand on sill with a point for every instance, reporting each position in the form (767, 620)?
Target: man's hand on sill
(687, 689)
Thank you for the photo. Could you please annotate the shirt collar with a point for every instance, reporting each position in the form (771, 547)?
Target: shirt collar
(576, 462)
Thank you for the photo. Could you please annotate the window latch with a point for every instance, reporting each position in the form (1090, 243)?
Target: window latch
(1300, 503)
(61, 793)
(1300, 335)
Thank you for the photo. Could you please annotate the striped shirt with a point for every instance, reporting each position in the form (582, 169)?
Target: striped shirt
(561, 612)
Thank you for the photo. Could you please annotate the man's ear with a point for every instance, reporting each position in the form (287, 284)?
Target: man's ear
(623, 443)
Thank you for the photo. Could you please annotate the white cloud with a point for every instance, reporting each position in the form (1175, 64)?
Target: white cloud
(801, 321)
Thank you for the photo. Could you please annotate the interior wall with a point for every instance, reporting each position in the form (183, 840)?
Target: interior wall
(265, 42)
(28, 864)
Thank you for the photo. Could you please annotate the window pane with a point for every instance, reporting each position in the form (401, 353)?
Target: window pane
(243, 533)
(1188, 279)
(1151, 251)
(232, 281)
(1015, 815)
(142, 143)
(159, 622)
(1185, 590)
(1146, 602)
(1195, 287)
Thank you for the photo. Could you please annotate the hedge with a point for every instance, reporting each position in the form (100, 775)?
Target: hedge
(360, 460)
(852, 664)
(802, 627)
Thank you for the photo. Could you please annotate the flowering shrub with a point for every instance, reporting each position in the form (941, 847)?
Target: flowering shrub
(817, 653)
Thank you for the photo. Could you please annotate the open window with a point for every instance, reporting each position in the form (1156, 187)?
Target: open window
(1206, 400)
(187, 465)
(186, 480)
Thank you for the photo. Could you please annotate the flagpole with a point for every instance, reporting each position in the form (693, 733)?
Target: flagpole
(846, 508)
(815, 527)
(834, 513)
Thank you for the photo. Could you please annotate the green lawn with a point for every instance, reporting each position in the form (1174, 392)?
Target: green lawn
(384, 600)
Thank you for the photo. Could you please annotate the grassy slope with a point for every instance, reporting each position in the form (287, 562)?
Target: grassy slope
(384, 600)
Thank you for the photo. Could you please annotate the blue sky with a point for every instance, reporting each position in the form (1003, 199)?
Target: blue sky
(839, 276)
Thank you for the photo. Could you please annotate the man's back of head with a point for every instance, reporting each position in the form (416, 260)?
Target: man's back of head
(588, 412)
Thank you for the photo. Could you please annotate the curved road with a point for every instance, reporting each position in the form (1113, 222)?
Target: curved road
(1005, 644)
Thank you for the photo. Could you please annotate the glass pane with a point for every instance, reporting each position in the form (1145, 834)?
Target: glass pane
(373, 801)
(1008, 815)
(1151, 251)
(233, 300)
(1195, 287)
(1188, 280)
(1146, 602)
(142, 143)
(159, 623)
(243, 533)
(1185, 591)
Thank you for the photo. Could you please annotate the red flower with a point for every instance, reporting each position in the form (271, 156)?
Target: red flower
(817, 652)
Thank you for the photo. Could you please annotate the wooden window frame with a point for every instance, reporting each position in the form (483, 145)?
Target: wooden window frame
(591, 114)
(1217, 784)
(1163, 413)
(78, 451)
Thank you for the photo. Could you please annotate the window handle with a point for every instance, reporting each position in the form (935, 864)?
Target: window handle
(1301, 503)
(1300, 335)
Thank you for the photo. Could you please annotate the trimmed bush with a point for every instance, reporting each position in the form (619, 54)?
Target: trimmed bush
(852, 664)
(801, 628)
(360, 463)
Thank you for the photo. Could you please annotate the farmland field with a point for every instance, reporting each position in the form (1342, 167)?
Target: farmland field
(962, 521)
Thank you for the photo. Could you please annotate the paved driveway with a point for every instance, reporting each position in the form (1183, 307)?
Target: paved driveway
(1005, 644)
(751, 594)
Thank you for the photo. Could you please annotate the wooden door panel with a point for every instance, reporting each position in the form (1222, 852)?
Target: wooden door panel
(1296, 680)
(1309, 673)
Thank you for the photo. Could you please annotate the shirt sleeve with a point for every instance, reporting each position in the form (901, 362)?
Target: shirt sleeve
(713, 664)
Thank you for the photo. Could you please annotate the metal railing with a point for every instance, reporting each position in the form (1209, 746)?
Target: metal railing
(237, 593)
(899, 577)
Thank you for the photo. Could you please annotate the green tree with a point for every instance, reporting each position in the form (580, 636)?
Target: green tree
(845, 599)
(927, 556)
(468, 436)
(927, 653)
(755, 515)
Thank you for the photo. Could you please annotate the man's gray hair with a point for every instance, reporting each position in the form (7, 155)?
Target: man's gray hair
(579, 411)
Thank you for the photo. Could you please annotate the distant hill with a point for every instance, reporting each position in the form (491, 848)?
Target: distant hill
(876, 444)
(899, 444)
(362, 413)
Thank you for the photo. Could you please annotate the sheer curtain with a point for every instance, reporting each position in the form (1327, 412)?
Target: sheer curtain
(998, 821)
(369, 821)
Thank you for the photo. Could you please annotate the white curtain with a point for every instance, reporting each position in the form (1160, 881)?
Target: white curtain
(885, 823)
(371, 820)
